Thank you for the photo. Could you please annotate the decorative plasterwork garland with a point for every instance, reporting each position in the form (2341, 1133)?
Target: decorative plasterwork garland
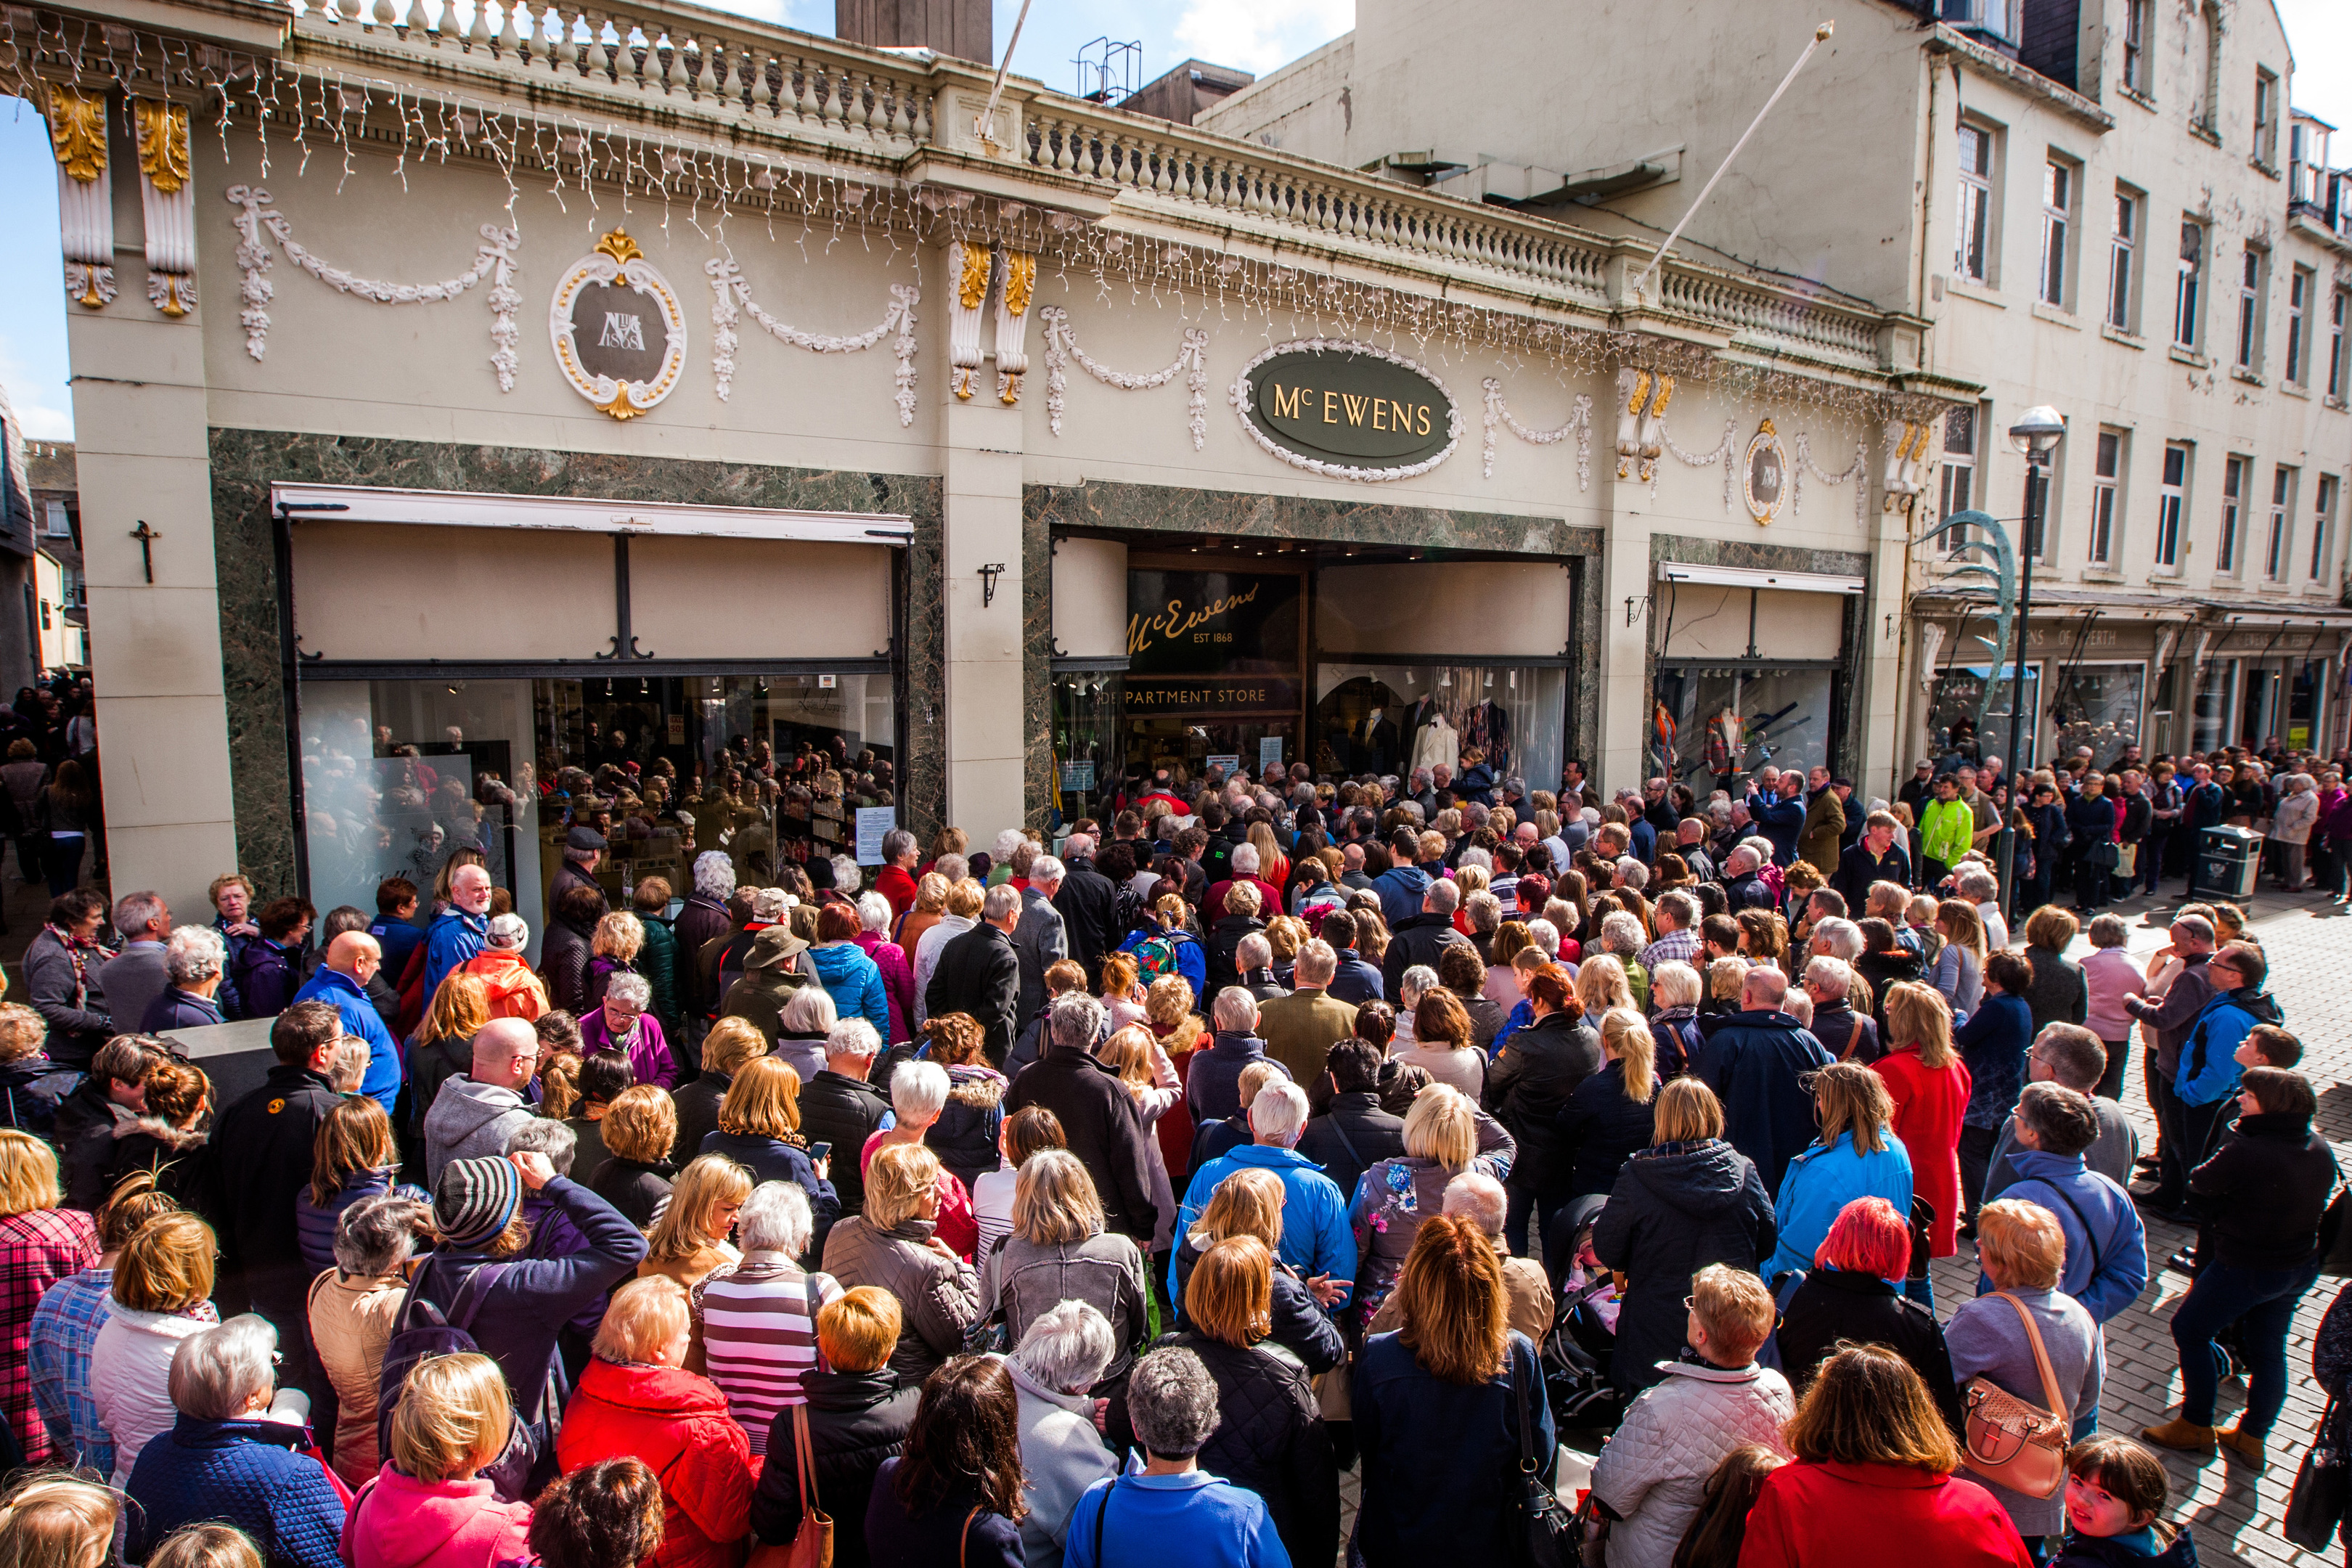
(1805, 464)
(1726, 452)
(168, 199)
(727, 288)
(85, 194)
(1062, 346)
(1579, 423)
(1238, 396)
(494, 260)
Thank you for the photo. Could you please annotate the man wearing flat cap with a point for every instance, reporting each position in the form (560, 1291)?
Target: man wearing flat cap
(583, 848)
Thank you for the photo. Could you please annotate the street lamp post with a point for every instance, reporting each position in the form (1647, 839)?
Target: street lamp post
(2036, 435)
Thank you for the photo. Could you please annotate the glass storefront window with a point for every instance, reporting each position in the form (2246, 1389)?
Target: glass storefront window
(1086, 754)
(1511, 714)
(2098, 706)
(397, 774)
(1718, 722)
(1951, 723)
(2209, 719)
(2303, 702)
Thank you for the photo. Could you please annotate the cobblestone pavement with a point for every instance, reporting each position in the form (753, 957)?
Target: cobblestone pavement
(2234, 1513)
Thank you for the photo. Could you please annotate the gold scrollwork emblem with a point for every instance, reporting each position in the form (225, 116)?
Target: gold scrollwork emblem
(78, 132)
(163, 142)
(972, 287)
(1020, 280)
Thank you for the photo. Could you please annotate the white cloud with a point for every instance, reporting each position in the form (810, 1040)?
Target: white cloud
(1261, 35)
(43, 402)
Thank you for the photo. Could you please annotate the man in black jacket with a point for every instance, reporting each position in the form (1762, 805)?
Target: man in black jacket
(979, 973)
(1100, 1121)
(1420, 940)
(1089, 905)
(840, 1106)
(113, 1091)
(1877, 856)
(1354, 1134)
(263, 1145)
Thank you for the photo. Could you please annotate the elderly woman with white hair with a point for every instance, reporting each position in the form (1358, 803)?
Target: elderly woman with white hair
(1058, 1361)
(803, 1027)
(873, 939)
(1622, 938)
(1059, 1252)
(918, 1094)
(353, 1309)
(1000, 859)
(235, 1455)
(511, 987)
(623, 1022)
(1417, 981)
(195, 960)
(759, 1322)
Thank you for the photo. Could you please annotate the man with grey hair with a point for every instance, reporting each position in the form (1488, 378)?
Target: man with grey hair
(840, 1105)
(1836, 938)
(1100, 1122)
(1743, 888)
(1316, 1240)
(1254, 966)
(1088, 903)
(1171, 1507)
(1053, 1371)
(1420, 941)
(1040, 940)
(1213, 1081)
(981, 974)
(195, 960)
(135, 977)
(1844, 1033)
(1300, 1029)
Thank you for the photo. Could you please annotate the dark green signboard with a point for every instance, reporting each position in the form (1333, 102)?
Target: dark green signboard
(1212, 623)
(1348, 406)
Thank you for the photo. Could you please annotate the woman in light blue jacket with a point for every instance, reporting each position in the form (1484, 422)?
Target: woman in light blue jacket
(1856, 1156)
(848, 976)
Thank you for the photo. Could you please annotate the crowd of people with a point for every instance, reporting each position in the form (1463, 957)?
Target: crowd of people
(1103, 1198)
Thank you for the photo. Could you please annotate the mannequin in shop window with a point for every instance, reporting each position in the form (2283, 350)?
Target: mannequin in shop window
(1374, 743)
(1435, 742)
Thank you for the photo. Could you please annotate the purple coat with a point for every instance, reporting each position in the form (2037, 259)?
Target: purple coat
(897, 981)
(647, 1048)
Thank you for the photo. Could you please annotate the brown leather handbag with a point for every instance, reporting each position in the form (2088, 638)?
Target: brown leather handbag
(2014, 1441)
(812, 1545)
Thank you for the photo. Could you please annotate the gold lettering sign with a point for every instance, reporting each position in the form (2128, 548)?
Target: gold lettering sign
(1144, 631)
(1361, 411)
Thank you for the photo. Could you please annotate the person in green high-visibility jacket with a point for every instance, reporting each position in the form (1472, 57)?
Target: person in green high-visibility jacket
(1947, 828)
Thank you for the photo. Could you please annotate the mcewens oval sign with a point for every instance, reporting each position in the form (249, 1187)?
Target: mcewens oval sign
(1347, 410)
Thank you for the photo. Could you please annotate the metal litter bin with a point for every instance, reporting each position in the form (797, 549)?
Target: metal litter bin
(2229, 859)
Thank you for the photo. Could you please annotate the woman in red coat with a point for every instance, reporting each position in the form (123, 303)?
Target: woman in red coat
(635, 1401)
(1930, 1088)
(1872, 1477)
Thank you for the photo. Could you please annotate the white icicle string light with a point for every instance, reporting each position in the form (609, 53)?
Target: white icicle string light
(1727, 453)
(1805, 464)
(1062, 346)
(1579, 423)
(729, 288)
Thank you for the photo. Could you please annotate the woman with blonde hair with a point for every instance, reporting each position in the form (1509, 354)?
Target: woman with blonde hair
(893, 1245)
(162, 1283)
(689, 1239)
(1929, 1086)
(1396, 1195)
(637, 1399)
(1613, 1114)
(443, 1046)
(1602, 988)
(2022, 1250)
(1177, 1030)
(1958, 971)
(638, 1130)
(919, 1095)
(41, 1242)
(1272, 865)
(760, 1129)
(1858, 1155)
(1440, 1406)
(1151, 1079)
(613, 950)
(1272, 1439)
(1059, 1251)
(931, 903)
(430, 1506)
(1249, 1203)
(731, 1044)
(58, 1522)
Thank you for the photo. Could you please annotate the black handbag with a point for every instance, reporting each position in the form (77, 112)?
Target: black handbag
(1552, 1533)
(2323, 1488)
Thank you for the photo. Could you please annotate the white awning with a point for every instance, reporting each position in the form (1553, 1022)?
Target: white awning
(1749, 577)
(455, 509)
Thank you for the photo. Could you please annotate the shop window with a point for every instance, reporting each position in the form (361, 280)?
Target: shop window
(2098, 706)
(1511, 714)
(1087, 745)
(1952, 729)
(1725, 721)
(2303, 702)
(2208, 724)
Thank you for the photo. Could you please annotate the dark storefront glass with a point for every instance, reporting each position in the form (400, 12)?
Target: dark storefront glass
(1722, 720)
(1215, 670)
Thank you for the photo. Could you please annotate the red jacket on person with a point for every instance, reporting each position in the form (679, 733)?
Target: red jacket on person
(1827, 1515)
(894, 884)
(676, 1422)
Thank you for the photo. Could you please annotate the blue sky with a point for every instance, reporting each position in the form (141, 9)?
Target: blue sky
(1255, 34)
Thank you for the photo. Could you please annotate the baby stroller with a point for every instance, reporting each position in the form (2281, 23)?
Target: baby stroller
(1576, 1355)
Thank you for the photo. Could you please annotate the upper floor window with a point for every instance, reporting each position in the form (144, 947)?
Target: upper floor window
(1973, 255)
(1959, 470)
(60, 526)
(2185, 285)
(2106, 475)
(2136, 29)
(2323, 527)
(2266, 117)
(2205, 47)
(2123, 259)
(2298, 298)
(2282, 530)
(2171, 502)
(2250, 309)
(2057, 210)
(2234, 501)
(2339, 307)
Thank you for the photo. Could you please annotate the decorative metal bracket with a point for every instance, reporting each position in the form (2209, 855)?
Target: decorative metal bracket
(624, 642)
(988, 577)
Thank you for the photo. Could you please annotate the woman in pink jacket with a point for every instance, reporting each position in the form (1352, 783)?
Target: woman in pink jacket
(429, 1506)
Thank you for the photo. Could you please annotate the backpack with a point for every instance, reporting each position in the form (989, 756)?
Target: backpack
(1155, 957)
(421, 1330)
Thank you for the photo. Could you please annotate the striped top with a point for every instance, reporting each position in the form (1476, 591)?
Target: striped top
(759, 1335)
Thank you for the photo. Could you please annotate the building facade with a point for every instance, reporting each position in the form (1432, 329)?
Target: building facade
(461, 401)
(2103, 206)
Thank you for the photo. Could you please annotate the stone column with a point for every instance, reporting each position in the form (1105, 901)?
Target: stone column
(141, 452)
(981, 526)
(1878, 706)
(1620, 748)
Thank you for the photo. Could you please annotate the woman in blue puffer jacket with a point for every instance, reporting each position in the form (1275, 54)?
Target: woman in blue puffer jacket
(1856, 1156)
(853, 980)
